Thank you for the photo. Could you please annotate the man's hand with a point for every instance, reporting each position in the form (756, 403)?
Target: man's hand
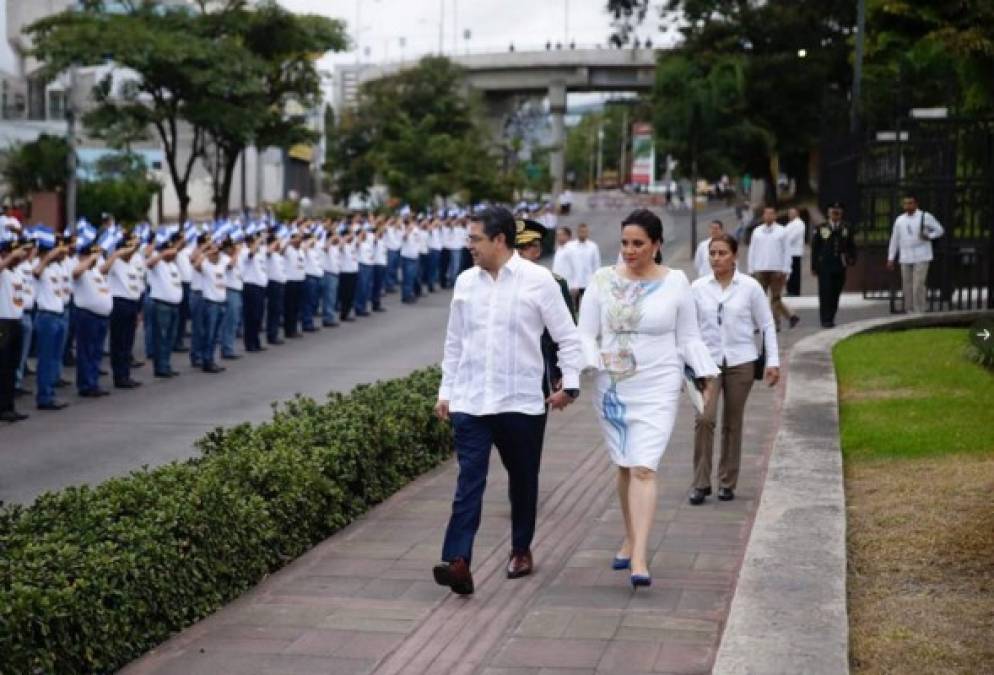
(890, 264)
(709, 391)
(442, 410)
(559, 400)
(772, 376)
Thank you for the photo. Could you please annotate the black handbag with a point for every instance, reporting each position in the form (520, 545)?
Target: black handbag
(759, 365)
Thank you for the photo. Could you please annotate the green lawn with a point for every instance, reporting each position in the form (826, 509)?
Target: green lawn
(913, 394)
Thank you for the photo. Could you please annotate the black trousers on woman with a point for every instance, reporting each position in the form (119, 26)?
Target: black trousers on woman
(346, 293)
(253, 306)
(275, 293)
(123, 321)
(291, 308)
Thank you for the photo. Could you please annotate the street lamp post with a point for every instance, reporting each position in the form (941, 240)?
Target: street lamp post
(71, 155)
(857, 80)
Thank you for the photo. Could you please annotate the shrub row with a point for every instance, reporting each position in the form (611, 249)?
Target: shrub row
(92, 578)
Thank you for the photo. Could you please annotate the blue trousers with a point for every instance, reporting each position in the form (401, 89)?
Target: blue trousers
(329, 299)
(312, 301)
(275, 292)
(213, 313)
(184, 315)
(434, 258)
(123, 321)
(379, 278)
(421, 279)
(455, 265)
(518, 438)
(197, 327)
(410, 272)
(68, 337)
(27, 329)
(91, 333)
(148, 318)
(364, 289)
(166, 324)
(232, 316)
(393, 271)
(50, 337)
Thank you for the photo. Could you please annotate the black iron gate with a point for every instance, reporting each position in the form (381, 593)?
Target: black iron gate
(949, 165)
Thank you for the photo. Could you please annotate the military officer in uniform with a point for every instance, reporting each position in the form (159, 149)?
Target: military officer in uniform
(528, 241)
(833, 249)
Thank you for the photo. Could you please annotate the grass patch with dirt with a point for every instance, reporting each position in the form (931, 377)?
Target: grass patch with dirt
(917, 427)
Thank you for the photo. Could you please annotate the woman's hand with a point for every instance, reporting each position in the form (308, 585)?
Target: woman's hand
(710, 390)
(772, 376)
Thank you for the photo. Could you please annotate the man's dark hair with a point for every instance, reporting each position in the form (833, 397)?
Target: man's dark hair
(497, 220)
(721, 225)
(726, 239)
(911, 195)
(569, 232)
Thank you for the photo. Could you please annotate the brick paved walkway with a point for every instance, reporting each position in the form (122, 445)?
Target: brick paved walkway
(363, 601)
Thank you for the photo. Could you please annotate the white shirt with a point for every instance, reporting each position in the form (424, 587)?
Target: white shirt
(768, 250)
(164, 283)
(50, 291)
(234, 276)
(65, 277)
(138, 261)
(333, 260)
(564, 264)
(492, 359)
(11, 295)
(294, 264)
(196, 278)
(350, 261)
(367, 251)
(276, 268)
(423, 236)
(795, 237)
(124, 281)
(27, 285)
(312, 262)
(905, 239)
(213, 275)
(435, 239)
(92, 292)
(457, 238)
(412, 245)
(702, 259)
(394, 237)
(743, 308)
(254, 271)
(380, 257)
(586, 259)
(184, 265)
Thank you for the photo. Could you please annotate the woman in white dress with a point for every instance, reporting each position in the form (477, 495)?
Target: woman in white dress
(638, 323)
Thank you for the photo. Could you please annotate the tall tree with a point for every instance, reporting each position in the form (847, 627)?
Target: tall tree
(170, 60)
(421, 134)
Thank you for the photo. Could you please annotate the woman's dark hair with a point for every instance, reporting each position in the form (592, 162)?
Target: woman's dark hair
(725, 238)
(498, 220)
(649, 222)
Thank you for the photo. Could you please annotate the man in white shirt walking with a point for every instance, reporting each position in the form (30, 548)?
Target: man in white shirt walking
(795, 230)
(587, 259)
(702, 261)
(563, 262)
(911, 243)
(492, 387)
(769, 263)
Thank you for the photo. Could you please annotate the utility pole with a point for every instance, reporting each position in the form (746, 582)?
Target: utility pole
(71, 156)
(600, 153)
(857, 80)
(441, 27)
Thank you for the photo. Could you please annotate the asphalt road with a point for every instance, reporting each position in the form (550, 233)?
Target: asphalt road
(94, 439)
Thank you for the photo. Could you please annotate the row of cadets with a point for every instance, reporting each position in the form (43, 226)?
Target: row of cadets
(12, 254)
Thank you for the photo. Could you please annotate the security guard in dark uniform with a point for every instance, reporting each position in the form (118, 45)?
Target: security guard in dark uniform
(528, 241)
(833, 249)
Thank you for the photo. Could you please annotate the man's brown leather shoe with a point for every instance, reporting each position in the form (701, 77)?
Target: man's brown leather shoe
(455, 575)
(520, 564)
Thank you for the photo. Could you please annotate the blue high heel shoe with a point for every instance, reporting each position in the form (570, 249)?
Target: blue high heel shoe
(641, 580)
(621, 563)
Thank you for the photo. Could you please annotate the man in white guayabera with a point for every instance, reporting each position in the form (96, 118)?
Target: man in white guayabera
(492, 372)
(911, 243)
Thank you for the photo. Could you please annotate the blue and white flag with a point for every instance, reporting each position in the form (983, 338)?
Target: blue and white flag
(43, 236)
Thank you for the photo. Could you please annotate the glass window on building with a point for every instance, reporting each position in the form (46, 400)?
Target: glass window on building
(56, 105)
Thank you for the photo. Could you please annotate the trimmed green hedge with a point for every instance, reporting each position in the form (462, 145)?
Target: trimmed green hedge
(93, 578)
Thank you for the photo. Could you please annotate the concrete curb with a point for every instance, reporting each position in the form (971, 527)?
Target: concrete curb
(789, 612)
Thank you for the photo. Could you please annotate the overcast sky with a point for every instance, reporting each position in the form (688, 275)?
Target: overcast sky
(493, 25)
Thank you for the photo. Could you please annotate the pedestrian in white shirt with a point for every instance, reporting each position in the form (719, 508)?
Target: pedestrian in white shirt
(12, 254)
(731, 306)
(769, 263)
(492, 387)
(275, 289)
(586, 258)
(255, 279)
(27, 319)
(702, 260)
(213, 266)
(348, 278)
(911, 245)
(234, 295)
(296, 277)
(93, 307)
(563, 261)
(126, 291)
(165, 289)
(795, 230)
(332, 264)
(50, 323)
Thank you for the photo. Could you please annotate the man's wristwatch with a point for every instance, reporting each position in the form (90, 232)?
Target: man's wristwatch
(572, 393)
